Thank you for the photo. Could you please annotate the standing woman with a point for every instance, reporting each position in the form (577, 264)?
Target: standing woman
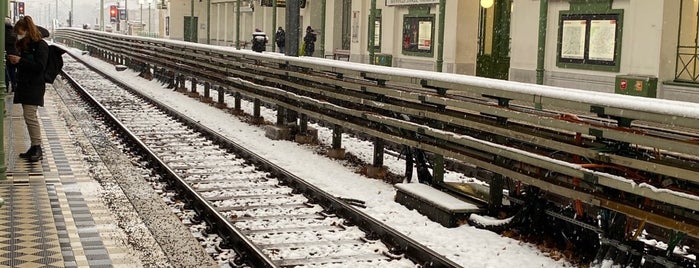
(31, 64)
(309, 42)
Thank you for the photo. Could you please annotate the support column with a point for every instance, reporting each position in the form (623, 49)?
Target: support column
(221, 103)
(377, 170)
(541, 51)
(438, 169)
(305, 134)
(440, 44)
(256, 115)
(193, 91)
(207, 94)
(281, 115)
(274, 26)
(337, 152)
(293, 27)
(237, 24)
(372, 32)
(236, 104)
(208, 21)
(3, 167)
(323, 7)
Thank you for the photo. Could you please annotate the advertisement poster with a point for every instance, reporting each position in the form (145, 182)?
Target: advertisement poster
(602, 40)
(573, 39)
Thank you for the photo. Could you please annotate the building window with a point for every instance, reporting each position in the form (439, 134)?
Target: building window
(687, 65)
(418, 33)
(590, 41)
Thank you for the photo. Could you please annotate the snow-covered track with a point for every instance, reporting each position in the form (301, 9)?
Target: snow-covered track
(269, 216)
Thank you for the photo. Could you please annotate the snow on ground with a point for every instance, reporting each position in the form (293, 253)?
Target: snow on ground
(465, 245)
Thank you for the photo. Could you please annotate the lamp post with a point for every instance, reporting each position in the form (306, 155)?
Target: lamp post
(3, 168)
(140, 2)
(149, 2)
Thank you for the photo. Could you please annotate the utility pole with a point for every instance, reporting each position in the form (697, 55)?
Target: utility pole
(323, 6)
(372, 31)
(208, 22)
(274, 26)
(3, 167)
(70, 20)
(440, 45)
(192, 25)
(237, 25)
(126, 13)
(149, 26)
(293, 26)
(101, 15)
(541, 52)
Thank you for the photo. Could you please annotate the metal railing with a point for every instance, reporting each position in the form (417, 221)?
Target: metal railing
(687, 64)
(328, 90)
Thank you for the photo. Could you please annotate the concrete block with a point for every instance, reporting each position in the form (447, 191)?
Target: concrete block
(257, 120)
(236, 112)
(376, 172)
(336, 153)
(120, 68)
(277, 133)
(305, 139)
(437, 205)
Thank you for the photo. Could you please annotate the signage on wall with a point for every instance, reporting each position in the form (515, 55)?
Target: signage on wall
(410, 2)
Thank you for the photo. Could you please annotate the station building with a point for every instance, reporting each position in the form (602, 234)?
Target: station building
(645, 48)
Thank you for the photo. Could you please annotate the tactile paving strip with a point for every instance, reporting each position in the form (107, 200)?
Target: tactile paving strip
(46, 221)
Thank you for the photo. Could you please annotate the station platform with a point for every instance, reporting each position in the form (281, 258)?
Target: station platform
(49, 219)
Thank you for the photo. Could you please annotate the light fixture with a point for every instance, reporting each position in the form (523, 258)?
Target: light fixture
(487, 3)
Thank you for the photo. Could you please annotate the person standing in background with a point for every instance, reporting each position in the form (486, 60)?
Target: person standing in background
(31, 65)
(259, 40)
(10, 69)
(280, 38)
(309, 42)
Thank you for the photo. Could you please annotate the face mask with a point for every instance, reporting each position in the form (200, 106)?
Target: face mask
(20, 36)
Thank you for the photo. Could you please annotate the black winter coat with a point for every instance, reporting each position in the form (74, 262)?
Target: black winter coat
(10, 40)
(280, 38)
(310, 43)
(30, 74)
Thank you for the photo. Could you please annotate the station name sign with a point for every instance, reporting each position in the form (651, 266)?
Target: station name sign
(410, 2)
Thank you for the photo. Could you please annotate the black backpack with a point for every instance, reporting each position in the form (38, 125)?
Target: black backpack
(54, 64)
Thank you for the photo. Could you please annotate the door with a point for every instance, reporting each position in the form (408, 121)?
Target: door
(190, 29)
(493, 59)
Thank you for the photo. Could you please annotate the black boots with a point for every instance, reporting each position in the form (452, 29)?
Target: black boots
(33, 154)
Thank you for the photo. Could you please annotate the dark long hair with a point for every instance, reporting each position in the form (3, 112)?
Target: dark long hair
(32, 33)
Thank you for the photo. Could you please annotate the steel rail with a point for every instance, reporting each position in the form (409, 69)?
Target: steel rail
(231, 234)
(402, 243)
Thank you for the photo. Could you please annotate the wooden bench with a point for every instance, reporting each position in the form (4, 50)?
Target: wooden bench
(339, 54)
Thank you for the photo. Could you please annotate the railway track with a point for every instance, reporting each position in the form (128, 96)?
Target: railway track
(270, 217)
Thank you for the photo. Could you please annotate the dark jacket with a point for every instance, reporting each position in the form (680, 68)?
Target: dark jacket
(10, 40)
(259, 41)
(30, 74)
(310, 42)
(280, 38)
